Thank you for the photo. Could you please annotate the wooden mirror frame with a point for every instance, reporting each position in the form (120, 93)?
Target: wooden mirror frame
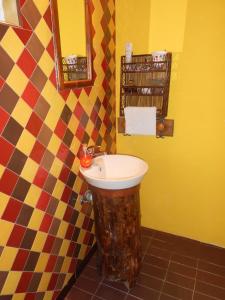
(62, 84)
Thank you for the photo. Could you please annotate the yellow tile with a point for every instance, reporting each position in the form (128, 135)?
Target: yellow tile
(71, 101)
(54, 144)
(4, 201)
(2, 169)
(45, 279)
(64, 248)
(52, 118)
(66, 265)
(82, 252)
(43, 33)
(12, 80)
(26, 142)
(39, 241)
(81, 236)
(7, 258)
(41, 264)
(11, 283)
(75, 145)
(46, 64)
(33, 195)
(15, 49)
(35, 220)
(62, 229)
(58, 190)
(48, 295)
(6, 229)
(60, 211)
(80, 220)
(22, 112)
(78, 184)
(29, 170)
(56, 167)
(42, 6)
(73, 123)
(19, 296)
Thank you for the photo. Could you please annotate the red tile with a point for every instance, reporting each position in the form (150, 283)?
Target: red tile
(6, 151)
(51, 263)
(24, 282)
(71, 249)
(63, 152)
(78, 110)
(49, 244)
(86, 238)
(80, 132)
(68, 214)
(66, 194)
(73, 265)
(4, 117)
(26, 63)
(52, 282)
(46, 222)
(30, 296)
(22, 34)
(20, 260)
(77, 92)
(12, 210)
(40, 177)
(37, 152)
(50, 49)
(30, 95)
(85, 223)
(69, 232)
(2, 81)
(47, 17)
(8, 182)
(64, 174)
(16, 236)
(43, 201)
(60, 129)
(34, 124)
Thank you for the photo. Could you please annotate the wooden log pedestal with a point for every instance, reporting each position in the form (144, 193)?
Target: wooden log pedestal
(118, 233)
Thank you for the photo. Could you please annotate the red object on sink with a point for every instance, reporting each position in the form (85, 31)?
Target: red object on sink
(86, 161)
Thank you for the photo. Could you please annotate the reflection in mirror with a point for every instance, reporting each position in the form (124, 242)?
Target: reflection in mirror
(9, 12)
(73, 42)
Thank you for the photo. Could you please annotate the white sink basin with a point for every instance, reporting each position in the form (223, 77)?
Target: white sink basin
(115, 171)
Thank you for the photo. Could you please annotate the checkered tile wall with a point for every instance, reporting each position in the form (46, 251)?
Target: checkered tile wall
(44, 231)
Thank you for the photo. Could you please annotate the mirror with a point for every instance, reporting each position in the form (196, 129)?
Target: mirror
(9, 12)
(73, 44)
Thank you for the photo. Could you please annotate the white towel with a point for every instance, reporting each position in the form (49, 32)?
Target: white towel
(140, 120)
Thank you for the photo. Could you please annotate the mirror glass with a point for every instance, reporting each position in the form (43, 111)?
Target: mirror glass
(72, 31)
(9, 13)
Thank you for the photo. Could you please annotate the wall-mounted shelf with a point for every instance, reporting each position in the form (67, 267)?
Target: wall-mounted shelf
(145, 82)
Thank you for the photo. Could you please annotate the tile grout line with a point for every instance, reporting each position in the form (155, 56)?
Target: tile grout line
(195, 279)
(164, 280)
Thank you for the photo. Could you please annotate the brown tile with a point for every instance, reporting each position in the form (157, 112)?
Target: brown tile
(39, 296)
(68, 137)
(78, 294)
(3, 30)
(47, 160)
(211, 278)
(147, 232)
(156, 261)
(180, 280)
(3, 276)
(182, 270)
(42, 107)
(167, 297)
(84, 119)
(17, 161)
(150, 282)
(212, 254)
(31, 261)
(109, 293)
(144, 293)
(211, 268)
(6, 297)
(56, 246)
(60, 281)
(44, 135)
(52, 206)
(87, 284)
(21, 189)
(184, 260)
(59, 264)
(145, 243)
(198, 296)
(12, 131)
(158, 252)
(25, 215)
(92, 262)
(66, 114)
(6, 64)
(118, 285)
(8, 98)
(210, 290)
(28, 239)
(153, 271)
(34, 283)
(31, 13)
(177, 291)
(129, 297)
(54, 226)
(35, 47)
(39, 78)
(50, 183)
(71, 179)
(91, 273)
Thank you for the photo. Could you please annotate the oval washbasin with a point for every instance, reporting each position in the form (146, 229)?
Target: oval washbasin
(115, 171)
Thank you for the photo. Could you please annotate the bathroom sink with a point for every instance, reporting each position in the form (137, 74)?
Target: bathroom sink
(115, 171)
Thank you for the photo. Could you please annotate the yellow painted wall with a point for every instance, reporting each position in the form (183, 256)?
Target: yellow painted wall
(183, 192)
(72, 27)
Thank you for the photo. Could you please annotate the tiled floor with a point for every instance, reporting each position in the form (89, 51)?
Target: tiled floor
(173, 268)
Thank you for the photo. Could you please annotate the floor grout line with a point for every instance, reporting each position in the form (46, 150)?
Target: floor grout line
(163, 284)
(195, 280)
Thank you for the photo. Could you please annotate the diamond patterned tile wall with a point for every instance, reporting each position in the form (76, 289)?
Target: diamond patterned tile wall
(44, 231)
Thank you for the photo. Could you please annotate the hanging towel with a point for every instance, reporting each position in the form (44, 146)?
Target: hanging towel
(140, 120)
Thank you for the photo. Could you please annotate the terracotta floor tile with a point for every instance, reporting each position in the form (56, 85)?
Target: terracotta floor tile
(156, 261)
(78, 294)
(87, 284)
(151, 282)
(177, 291)
(109, 293)
(211, 278)
(153, 271)
(198, 296)
(182, 269)
(210, 290)
(144, 293)
(180, 280)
